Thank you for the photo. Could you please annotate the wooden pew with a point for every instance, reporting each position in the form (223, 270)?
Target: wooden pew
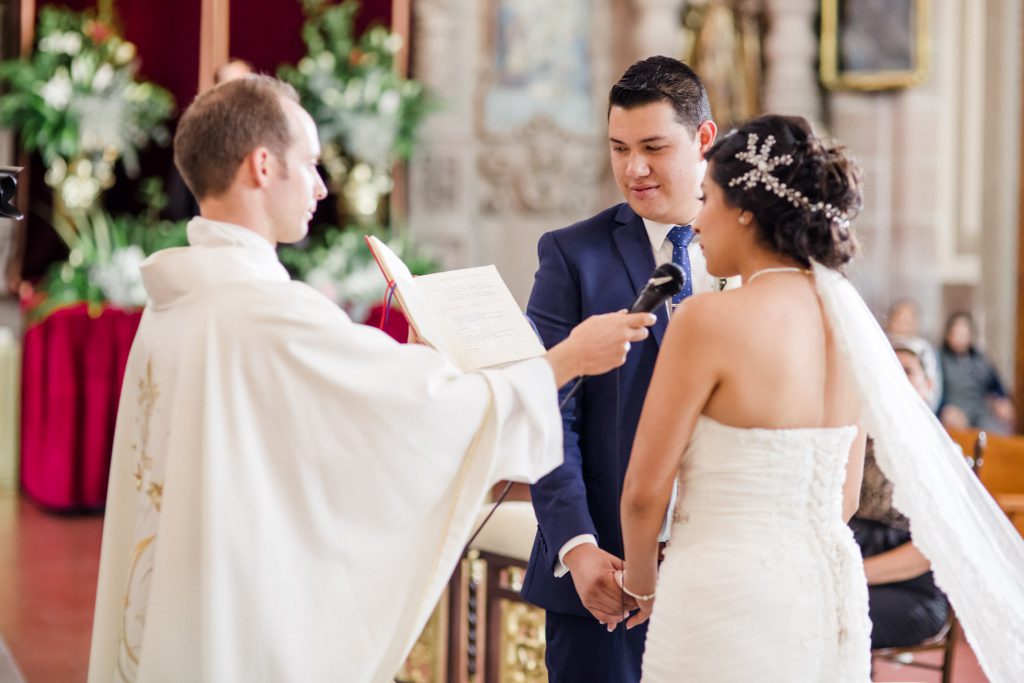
(1003, 475)
(972, 442)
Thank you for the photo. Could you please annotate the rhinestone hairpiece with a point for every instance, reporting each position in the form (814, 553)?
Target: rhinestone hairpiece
(762, 167)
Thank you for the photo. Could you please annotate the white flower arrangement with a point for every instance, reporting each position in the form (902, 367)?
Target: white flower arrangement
(119, 278)
(77, 102)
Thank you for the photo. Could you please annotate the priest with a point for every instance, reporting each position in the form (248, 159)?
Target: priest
(290, 491)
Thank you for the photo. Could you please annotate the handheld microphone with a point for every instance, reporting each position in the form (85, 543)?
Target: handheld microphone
(666, 281)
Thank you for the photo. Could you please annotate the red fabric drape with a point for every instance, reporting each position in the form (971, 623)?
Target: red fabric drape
(72, 369)
(396, 326)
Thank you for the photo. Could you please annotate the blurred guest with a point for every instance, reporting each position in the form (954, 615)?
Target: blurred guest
(903, 322)
(972, 394)
(903, 319)
(905, 605)
(235, 68)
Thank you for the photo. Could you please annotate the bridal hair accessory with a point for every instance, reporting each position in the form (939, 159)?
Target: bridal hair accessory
(763, 165)
(620, 578)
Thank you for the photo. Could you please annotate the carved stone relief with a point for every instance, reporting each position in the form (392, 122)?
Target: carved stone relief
(439, 181)
(537, 109)
(541, 169)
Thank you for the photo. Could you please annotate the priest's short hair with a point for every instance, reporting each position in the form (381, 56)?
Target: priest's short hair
(224, 125)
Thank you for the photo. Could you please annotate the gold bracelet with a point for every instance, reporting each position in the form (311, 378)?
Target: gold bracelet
(622, 585)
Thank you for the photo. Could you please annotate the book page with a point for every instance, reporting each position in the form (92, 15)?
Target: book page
(416, 310)
(481, 322)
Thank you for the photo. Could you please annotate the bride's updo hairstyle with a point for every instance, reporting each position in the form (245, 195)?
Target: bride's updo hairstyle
(802, 193)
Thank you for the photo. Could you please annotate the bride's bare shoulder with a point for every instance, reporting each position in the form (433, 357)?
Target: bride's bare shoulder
(707, 311)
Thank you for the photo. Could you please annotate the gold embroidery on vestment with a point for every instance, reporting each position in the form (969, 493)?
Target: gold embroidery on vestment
(128, 653)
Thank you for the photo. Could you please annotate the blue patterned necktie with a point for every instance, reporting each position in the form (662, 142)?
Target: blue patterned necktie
(680, 236)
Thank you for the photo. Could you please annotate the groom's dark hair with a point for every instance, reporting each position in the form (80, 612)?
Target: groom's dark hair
(663, 79)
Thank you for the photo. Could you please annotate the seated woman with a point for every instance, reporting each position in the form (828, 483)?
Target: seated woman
(905, 606)
(972, 395)
(902, 322)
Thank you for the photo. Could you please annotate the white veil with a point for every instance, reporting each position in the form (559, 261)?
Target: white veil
(977, 556)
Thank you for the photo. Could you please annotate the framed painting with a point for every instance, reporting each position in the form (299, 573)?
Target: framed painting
(873, 44)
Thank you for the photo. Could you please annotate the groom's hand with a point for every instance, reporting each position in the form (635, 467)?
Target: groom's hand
(593, 574)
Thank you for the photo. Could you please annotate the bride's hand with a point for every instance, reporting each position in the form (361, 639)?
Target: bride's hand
(643, 613)
(643, 607)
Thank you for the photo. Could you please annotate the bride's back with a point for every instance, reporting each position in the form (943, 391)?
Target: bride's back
(776, 359)
(749, 410)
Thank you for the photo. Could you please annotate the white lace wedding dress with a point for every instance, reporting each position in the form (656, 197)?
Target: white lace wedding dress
(762, 579)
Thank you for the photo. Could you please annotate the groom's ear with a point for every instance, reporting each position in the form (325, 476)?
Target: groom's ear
(706, 133)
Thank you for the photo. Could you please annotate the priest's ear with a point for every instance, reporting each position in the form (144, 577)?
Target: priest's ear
(9, 192)
(261, 167)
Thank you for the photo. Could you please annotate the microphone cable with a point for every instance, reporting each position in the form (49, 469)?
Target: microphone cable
(667, 280)
(508, 485)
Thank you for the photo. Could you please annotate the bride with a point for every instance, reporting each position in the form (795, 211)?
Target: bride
(759, 405)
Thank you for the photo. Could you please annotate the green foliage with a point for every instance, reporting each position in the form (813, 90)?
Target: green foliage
(77, 102)
(105, 254)
(365, 111)
(77, 62)
(368, 117)
(339, 264)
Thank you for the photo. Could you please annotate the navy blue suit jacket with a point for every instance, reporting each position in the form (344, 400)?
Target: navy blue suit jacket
(595, 266)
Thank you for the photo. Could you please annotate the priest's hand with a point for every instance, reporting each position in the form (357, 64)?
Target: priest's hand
(593, 573)
(598, 344)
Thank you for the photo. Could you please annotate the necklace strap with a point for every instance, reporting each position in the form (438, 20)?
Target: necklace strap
(765, 271)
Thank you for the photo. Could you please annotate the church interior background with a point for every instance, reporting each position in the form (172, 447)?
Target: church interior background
(470, 127)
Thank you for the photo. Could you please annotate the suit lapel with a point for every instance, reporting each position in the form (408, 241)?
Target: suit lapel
(635, 248)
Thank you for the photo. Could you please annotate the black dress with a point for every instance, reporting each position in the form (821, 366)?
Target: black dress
(902, 613)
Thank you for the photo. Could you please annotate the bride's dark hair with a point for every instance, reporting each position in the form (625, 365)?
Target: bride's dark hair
(803, 208)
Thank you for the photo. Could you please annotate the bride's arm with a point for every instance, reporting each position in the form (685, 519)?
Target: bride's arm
(684, 377)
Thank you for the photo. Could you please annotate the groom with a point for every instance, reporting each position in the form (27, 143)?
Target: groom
(659, 126)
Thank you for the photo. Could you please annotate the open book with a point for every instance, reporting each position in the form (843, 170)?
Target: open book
(468, 315)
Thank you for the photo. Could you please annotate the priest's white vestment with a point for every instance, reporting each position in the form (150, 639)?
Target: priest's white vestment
(290, 491)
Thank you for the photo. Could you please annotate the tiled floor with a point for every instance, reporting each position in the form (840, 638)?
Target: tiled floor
(48, 566)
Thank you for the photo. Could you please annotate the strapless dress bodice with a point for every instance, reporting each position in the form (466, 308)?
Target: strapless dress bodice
(752, 472)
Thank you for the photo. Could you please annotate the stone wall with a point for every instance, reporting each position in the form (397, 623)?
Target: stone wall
(941, 159)
(520, 145)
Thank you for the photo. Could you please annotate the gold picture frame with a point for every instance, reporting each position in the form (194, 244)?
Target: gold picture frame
(874, 44)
